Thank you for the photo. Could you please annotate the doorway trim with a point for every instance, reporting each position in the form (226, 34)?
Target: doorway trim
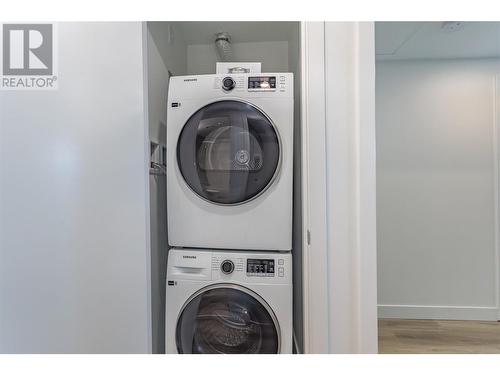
(314, 269)
(496, 186)
(338, 164)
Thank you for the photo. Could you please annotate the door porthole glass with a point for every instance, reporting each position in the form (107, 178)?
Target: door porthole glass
(228, 152)
(226, 320)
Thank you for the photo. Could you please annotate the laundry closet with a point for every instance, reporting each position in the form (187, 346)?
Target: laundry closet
(192, 49)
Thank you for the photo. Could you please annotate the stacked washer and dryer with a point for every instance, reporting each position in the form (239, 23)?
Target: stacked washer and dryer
(229, 193)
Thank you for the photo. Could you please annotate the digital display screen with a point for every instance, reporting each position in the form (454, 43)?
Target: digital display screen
(261, 82)
(260, 266)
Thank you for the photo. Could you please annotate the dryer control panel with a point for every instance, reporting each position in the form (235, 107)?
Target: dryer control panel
(218, 86)
(262, 83)
(258, 83)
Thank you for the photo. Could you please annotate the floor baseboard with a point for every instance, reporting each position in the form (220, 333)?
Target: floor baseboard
(438, 312)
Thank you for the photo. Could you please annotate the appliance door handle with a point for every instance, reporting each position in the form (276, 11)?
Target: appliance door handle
(192, 272)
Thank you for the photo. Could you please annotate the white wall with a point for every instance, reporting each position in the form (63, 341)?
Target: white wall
(166, 53)
(435, 189)
(74, 270)
(201, 58)
(171, 46)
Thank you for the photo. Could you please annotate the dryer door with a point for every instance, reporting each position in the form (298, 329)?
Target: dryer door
(228, 152)
(227, 319)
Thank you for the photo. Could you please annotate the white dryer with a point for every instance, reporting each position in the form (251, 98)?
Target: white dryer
(228, 302)
(230, 161)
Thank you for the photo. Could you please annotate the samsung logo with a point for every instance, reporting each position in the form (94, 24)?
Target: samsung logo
(190, 79)
(189, 256)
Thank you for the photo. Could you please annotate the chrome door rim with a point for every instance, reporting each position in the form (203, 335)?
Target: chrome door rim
(241, 289)
(278, 166)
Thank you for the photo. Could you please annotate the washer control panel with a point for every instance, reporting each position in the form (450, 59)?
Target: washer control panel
(265, 267)
(257, 267)
(260, 267)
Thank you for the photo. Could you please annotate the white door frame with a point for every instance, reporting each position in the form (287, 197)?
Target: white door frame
(338, 164)
(314, 247)
(496, 185)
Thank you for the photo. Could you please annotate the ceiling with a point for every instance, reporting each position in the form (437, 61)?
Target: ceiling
(429, 40)
(240, 32)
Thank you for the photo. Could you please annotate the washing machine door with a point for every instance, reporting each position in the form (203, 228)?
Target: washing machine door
(227, 319)
(228, 152)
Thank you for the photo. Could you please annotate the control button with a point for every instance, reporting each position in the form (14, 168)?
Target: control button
(227, 267)
(281, 271)
(228, 84)
(281, 262)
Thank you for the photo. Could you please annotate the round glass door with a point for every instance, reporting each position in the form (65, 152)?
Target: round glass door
(228, 152)
(226, 320)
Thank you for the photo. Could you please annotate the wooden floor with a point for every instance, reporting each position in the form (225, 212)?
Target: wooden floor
(438, 336)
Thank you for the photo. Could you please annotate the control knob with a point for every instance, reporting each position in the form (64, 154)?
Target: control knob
(228, 84)
(227, 267)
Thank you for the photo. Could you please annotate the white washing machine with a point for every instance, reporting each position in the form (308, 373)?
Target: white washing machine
(230, 161)
(228, 302)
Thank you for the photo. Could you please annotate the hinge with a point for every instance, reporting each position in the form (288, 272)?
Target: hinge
(308, 237)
